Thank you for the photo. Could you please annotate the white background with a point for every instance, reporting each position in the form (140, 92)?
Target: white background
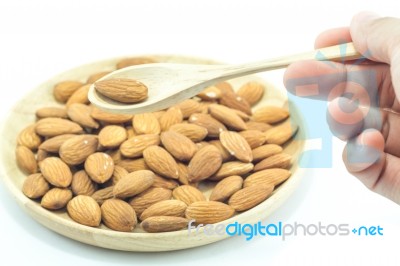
(39, 39)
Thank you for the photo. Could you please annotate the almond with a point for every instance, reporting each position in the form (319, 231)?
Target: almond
(26, 160)
(29, 138)
(63, 90)
(204, 106)
(213, 126)
(236, 145)
(253, 125)
(82, 184)
(204, 163)
(102, 195)
(56, 198)
(122, 89)
(112, 136)
(159, 114)
(53, 144)
(84, 210)
(231, 100)
(210, 94)
(35, 186)
(165, 208)
(157, 224)
(50, 127)
(135, 61)
(164, 182)
(81, 114)
(245, 117)
(130, 132)
(224, 87)
(232, 168)
(51, 112)
(227, 116)
(255, 138)
(118, 174)
(269, 177)
(252, 92)
(149, 197)
(192, 131)
(115, 154)
(183, 172)
(270, 114)
(226, 188)
(188, 194)
(41, 155)
(75, 150)
(56, 172)
(202, 144)
(146, 123)
(133, 184)
(188, 107)
(110, 117)
(226, 156)
(161, 162)
(118, 215)
(171, 117)
(280, 160)
(80, 95)
(132, 165)
(135, 146)
(96, 76)
(99, 167)
(265, 151)
(209, 212)
(180, 146)
(249, 197)
(280, 134)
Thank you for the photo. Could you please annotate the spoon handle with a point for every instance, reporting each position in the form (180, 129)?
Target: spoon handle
(341, 52)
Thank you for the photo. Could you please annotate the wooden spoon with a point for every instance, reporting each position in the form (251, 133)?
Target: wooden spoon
(169, 84)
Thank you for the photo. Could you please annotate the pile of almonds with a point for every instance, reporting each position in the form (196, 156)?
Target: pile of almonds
(117, 169)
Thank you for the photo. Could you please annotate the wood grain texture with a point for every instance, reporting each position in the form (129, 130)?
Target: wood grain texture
(23, 114)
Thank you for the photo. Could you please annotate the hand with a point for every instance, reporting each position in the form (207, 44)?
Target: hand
(367, 118)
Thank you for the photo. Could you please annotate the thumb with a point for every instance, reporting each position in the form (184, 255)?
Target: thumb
(378, 38)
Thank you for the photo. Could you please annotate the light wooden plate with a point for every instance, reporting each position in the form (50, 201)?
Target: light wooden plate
(23, 114)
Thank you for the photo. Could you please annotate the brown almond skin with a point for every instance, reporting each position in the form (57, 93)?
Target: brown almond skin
(51, 112)
(56, 172)
(111, 118)
(232, 168)
(213, 126)
(122, 89)
(165, 208)
(28, 138)
(84, 210)
(226, 188)
(161, 162)
(249, 197)
(232, 100)
(41, 155)
(118, 215)
(180, 146)
(265, 151)
(268, 177)
(56, 198)
(204, 163)
(171, 117)
(51, 127)
(82, 184)
(236, 145)
(96, 76)
(99, 167)
(77, 149)
(226, 156)
(188, 107)
(164, 182)
(146, 123)
(104, 194)
(210, 94)
(132, 165)
(149, 197)
(192, 131)
(134, 147)
(81, 114)
(35, 186)
(209, 212)
(133, 61)
(112, 136)
(252, 92)
(227, 116)
(53, 144)
(158, 224)
(133, 184)
(270, 114)
(255, 138)
(280, 160)
(280, 134)
(253, 125)
(188, 194)
(80, 95)
(63, 90)
(118, 174)
(26, 160)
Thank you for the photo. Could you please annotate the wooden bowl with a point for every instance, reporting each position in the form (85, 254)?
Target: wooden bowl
(23, 114)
